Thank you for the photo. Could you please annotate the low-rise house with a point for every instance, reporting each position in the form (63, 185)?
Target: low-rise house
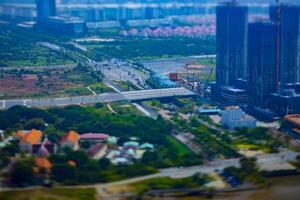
(97, 151)
(130, 151)
(70, 140)
(235, 118)
(291, 125)
(72, 163)
(94, 137)
(139, 154)
(120, 161)
(28, 140)
(129, 154)
(20, 134)
(131, 144)
(113, 154)
(42, 164)
(213, 111)
(147, 146)
(45, 148)
(112, 140)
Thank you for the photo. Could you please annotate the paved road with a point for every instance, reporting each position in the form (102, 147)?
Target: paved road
(109, 97)
(262, 161)
(101, 98)
(117, 70)
(181, 172)
(157, 93)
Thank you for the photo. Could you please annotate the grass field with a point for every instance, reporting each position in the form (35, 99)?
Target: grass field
(179, 147)
(100, 88)
(254, 147)
(207, 62)
(125, 109)
(50, 194)
(126, 86)
(19, 48)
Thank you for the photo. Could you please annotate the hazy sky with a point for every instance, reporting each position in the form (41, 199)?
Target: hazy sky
(242, 1)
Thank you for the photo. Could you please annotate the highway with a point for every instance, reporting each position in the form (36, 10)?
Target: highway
(100, 98)
(156, 93)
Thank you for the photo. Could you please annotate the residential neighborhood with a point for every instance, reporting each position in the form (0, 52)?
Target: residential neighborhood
(96, 145)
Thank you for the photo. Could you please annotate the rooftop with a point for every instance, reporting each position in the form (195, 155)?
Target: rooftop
(43, 163)
(71, 136)
(33, 137)
(293, 119)
(95, 149)
(97, 136)
(131, 143)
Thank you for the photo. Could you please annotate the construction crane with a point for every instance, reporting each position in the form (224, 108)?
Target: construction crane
(206, 84)
(202, 86)
(278, 25)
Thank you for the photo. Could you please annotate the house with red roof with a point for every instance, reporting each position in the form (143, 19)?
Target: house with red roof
(94, 137)
(28, 140)
(70, 140)
(42, 164)
(97, 151)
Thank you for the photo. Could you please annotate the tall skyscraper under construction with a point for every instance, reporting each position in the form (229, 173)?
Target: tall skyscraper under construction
(290, 45)
(287, 98)
(232, 30)
(231, 70)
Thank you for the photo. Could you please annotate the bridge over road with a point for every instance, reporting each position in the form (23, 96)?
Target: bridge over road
(100, 98)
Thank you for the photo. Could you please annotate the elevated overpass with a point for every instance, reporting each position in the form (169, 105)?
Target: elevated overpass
(156, 93)
(100, 98)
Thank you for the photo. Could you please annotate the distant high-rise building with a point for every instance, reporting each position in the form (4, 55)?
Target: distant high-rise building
(232, 29)
(45, 9)
(231, 70)
(48, 21)
(262, 63)
(290, 45)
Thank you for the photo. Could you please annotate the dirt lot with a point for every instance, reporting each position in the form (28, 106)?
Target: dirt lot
(55, 83)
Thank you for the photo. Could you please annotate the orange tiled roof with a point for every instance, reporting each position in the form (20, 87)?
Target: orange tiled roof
(72, 163)
(43, 163)
(296, 130)
(33, 137)
(294, 119)
(71, 136)
(19, 134)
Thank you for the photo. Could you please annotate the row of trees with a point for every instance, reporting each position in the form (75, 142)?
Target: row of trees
(57, 121)
(140, 48)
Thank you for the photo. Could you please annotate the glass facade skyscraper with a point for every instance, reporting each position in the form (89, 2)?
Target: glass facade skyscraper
(45, 9)
(290, 45)
(262, 63)
(232, 29)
